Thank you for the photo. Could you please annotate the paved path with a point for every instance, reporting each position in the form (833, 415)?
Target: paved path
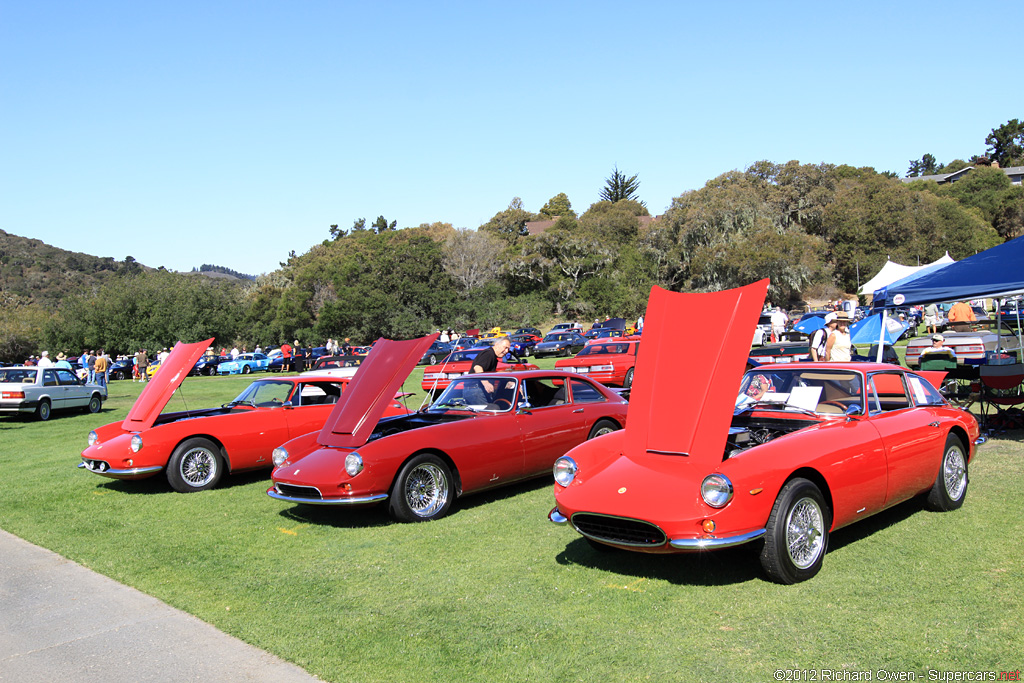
(60, 622)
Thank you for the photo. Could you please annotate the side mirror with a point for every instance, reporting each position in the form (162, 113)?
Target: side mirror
(854, 409)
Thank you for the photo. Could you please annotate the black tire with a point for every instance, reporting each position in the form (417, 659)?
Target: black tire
(210, 371)
(433, 359)
(950, 487)
(43, 411)
(796, 536)
(628, 382)
(246, 369)
(423, 490)
(603, 427)
(95, 403)
(195, 465)
(118, 375)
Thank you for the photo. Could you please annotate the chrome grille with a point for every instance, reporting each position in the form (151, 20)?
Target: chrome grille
(618, 530)
(293, 491)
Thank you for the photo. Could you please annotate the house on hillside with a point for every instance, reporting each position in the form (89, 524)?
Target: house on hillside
(1016, 174)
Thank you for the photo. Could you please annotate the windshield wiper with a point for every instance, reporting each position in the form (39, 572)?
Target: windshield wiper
(232, 404)
(457, 404)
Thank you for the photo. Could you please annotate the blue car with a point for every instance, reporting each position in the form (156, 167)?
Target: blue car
(244, 364)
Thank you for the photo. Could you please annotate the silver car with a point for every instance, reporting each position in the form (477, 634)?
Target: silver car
(25, 389)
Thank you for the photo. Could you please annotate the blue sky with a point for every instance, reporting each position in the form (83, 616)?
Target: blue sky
(234, 132)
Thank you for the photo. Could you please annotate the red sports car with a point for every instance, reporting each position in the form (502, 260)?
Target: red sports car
(485, 430)
(610, 363)
(805, 449)
(195, 447)
(437, 377)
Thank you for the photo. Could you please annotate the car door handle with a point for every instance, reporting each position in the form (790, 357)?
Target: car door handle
(933, 424)
(578, 410)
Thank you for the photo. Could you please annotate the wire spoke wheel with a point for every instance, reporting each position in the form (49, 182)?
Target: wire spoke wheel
(426, 490)
(954, 473)
(198, 467)
(805, 527)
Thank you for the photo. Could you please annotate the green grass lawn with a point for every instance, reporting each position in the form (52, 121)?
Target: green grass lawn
(495, 592)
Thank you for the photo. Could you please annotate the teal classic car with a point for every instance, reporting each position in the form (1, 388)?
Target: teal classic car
(244, 364)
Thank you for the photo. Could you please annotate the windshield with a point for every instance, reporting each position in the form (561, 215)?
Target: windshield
(821, 391)
(265, 393)
(595, 349)
(491, 394)
(18, 376)
(557, 337)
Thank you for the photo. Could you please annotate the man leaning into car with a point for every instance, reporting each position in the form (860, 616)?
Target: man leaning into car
(487, 360)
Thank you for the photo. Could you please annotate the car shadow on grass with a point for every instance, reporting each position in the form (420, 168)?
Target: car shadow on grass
(158, 483)
(343, 518)
(710, 568)
(725, 566)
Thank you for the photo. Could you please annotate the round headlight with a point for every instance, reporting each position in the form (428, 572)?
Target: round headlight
(136, 443)
(716, 490)
(279, 456)
(565, 470)
(353, 464)
(93, 438)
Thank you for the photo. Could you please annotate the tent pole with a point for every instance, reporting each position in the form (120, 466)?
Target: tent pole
(881, 336)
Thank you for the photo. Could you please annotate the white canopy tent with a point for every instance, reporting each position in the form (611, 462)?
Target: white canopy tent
(892, 271)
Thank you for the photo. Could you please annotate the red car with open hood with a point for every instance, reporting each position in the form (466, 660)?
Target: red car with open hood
(195, 447)
(781, 456)
(483, 431)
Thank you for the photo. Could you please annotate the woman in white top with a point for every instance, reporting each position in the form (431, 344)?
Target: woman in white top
(838, 346)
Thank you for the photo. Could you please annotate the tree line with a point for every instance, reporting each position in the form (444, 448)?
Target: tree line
(816, 230)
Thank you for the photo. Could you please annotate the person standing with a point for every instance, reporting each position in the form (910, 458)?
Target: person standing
(931, 317)
(961, 314)
(142, 363)
(839, 348)
(92, 366)
(819, 340)
(779, 320)
(44, 360)
(100, 368)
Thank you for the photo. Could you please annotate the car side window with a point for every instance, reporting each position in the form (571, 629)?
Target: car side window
(545, 392)
(584, 392)
(924, 393)
(49, 378)
(886, 391)
(319, 394)
(66, 378)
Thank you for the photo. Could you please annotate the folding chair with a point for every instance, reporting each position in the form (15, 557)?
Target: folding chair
(943, 360)
(1001, 388)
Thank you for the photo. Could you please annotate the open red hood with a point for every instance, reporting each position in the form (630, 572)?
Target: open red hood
(371, 390)
(688, 372)
(168, 378)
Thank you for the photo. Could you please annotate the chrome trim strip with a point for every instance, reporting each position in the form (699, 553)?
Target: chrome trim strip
(557, 517)
(361, 500)
(122, 473)
(713, 543)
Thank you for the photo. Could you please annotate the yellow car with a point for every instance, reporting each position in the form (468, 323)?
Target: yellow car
(152, 368)
(494, 332)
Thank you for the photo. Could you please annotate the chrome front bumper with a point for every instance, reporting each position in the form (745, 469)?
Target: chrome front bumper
(101, 468)
(353, 500)
(687, 544)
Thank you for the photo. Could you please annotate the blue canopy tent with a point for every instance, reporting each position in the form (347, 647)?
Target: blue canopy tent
(998, 271)
(994, 272)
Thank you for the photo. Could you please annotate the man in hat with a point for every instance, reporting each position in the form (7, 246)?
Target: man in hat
(820, 337)
(44, 360)
(938, 346)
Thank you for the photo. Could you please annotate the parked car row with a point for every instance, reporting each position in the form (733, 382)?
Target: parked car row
(711, 456)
